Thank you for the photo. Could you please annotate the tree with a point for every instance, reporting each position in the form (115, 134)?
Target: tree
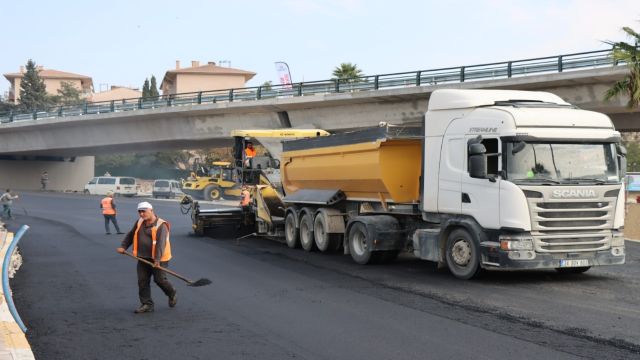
(347, 73)
(6, 106)
(33, 93)
(629, 54)
(68, 94)
(146, 91)
(153, 89)
(267, 85)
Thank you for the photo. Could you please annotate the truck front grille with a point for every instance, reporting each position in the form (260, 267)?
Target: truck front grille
(571, 225)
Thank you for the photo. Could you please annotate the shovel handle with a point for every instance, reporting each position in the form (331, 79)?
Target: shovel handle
(159, 267)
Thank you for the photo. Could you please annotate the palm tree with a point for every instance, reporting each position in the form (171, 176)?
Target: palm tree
(630, 55)
(347, 73)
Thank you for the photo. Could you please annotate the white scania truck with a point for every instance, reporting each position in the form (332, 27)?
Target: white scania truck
(493, 180)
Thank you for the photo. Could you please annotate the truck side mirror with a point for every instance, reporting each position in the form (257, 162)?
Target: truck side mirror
(477, 161)
(622, 159)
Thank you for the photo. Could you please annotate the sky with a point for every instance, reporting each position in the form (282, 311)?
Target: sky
(122, 42)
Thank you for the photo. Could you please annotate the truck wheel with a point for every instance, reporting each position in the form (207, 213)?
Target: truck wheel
(573, 270)
(212, 192)
(306, 232)
(290, 231)
(463, 255)
(324, 241)
(358, 247)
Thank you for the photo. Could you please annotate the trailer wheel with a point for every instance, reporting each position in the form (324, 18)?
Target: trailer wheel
(306, 232)
(212, 192)
(324, 241)
(358, 244)
(290, 231)
(462, 254)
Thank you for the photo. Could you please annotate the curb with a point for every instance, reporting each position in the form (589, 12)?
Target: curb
(13, 342)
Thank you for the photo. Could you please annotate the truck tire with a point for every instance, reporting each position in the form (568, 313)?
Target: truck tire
(290, 231)
(573, 270)
(212, 192)
(462, 255)
(306, 232)
(324, 241)
(358, 244)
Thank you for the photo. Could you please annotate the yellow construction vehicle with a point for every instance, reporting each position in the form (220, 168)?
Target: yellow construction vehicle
(211, 182)
(259, 174)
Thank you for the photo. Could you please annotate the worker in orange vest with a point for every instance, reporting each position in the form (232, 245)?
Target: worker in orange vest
(108, 207)
(249, 153)
(150, 240)
(245, 196)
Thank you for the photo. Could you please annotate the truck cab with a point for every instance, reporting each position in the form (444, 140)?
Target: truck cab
(528, 179)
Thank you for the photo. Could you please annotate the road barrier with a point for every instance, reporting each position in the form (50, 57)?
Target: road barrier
(13, 342)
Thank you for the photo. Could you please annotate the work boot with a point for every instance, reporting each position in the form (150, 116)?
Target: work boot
(144, 308)
(173, 300)
(107, 233)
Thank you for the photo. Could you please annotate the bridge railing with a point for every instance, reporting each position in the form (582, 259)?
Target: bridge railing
(490, 71)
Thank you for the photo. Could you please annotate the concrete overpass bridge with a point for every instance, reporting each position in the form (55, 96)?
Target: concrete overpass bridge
(205, 119)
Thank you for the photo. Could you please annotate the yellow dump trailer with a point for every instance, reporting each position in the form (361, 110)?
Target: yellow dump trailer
(382, 164)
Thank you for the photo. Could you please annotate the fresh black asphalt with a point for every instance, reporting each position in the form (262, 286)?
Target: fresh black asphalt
(77, 295)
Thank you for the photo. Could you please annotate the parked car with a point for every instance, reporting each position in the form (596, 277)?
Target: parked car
(119, 185)
(166, 188)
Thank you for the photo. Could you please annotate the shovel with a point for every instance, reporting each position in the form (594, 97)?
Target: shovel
(200, 282)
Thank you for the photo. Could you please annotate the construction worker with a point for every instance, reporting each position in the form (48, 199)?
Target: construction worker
(245, 196)
(44, 180)
(249, 153)
(150, 240)
(108, 207)
(7, 200)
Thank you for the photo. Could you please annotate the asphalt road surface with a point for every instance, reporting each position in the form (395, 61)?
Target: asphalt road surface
(77, 295)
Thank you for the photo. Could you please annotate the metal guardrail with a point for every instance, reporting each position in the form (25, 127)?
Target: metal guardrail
(6, 289)
(499, 70)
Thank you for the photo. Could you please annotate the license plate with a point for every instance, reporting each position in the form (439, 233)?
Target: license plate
(574, 263)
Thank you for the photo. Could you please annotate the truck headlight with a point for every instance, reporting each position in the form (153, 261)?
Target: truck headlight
(515, 242)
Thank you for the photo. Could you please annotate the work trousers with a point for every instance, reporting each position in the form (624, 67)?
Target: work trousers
(159, 277)
(111, 218)
(6, 211)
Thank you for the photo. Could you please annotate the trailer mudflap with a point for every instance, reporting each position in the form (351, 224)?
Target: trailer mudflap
(384, 232)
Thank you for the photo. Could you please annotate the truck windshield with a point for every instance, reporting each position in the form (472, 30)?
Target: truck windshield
(561, 163)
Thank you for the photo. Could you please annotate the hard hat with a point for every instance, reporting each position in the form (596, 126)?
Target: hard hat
(144, 206)
(109, 193)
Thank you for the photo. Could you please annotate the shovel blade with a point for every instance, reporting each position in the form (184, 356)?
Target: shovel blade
(200, 282)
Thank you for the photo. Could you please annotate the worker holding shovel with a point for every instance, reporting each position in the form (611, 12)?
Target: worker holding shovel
(150, 240)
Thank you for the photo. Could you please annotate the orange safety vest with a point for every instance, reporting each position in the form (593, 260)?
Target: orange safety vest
(246, 198)
(249, 153)
(166, 254)
(107, 206)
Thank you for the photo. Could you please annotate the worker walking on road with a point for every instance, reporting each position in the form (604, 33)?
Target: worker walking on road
(7, 200)
(44, 179)
(108, 207)
(150, 240)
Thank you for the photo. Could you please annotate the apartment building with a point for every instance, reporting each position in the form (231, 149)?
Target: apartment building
(202, 78)
(53, 80)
